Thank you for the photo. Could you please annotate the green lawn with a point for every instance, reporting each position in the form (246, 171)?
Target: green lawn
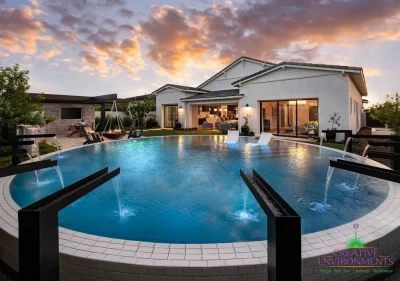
(44, 148)
(156, 133)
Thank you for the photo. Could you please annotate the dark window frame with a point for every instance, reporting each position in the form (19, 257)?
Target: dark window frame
(71, 115)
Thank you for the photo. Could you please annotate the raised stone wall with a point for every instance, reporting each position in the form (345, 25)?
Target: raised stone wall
(60, 126)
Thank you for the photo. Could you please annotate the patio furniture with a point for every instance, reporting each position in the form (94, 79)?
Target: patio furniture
(224, 126)
(136, 134)
(92, 138)
(263, 140)
(233, 137)
(207, 126)
(74, 133)
(233, 125)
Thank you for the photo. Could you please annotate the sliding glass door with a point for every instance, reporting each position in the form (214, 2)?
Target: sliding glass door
(288, 117)
(170, 115)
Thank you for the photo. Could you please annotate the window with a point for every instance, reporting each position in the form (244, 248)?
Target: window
(71, 113)
(288, 117)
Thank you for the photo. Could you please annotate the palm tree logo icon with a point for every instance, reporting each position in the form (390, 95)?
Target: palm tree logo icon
(355, 242)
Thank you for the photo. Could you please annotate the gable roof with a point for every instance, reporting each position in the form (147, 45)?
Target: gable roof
(356, 73)
(231, 65)
(179, 87)
(222, 94)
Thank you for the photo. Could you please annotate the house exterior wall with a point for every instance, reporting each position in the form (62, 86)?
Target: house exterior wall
(239, 70)
(171, 97)
(330, 88)
(60, 126)
(355, 100)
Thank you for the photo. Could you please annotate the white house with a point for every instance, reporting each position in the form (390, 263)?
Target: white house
(280, 98)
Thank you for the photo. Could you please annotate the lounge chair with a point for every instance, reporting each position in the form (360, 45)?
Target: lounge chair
(233, 137)
(92, 138)
(74, 133)
(263, 140)
(136, 134)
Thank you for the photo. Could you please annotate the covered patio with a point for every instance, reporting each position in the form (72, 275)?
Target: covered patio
(214, 110)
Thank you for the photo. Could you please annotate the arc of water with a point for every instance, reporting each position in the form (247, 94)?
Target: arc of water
(245, 193)
(345, 146)
(57, 145)
(58, 170)
(357, 178)
(364, 154)
(328, 180)
(36, 173)
(116, 189)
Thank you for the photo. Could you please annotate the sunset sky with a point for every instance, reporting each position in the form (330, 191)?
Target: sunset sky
(89, 47)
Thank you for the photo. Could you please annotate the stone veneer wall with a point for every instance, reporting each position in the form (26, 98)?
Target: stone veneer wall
(60, 126)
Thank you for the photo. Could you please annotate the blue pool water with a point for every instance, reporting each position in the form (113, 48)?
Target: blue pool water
(188, 189)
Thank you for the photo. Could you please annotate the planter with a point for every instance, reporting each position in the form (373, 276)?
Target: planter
(245, 130)
(331, 135)
(178, 126)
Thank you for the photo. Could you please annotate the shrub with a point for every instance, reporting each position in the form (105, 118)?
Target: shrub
(127, 122)
(151, 122)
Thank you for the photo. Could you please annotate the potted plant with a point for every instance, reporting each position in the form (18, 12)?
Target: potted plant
(245, 128)
(311, 127)
(178, 125)
(331, 133)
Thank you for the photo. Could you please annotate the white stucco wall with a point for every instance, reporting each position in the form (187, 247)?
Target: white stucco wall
(330, 88)
(171, 97)
(239, 70)
(355, 95)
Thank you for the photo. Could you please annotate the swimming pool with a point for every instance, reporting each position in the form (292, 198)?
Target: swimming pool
(187, 189)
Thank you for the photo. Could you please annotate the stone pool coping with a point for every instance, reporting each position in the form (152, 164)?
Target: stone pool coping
(80, 246)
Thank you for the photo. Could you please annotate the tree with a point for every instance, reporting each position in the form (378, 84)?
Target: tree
(17, 107)
(388, 112)
(138, 110)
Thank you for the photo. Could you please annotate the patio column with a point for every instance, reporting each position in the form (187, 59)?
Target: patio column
(102, 116)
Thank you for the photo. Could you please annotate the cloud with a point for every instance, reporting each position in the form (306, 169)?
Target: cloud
(270, 30)
(34, 3)
(126, 13)
(60, 34)
(371, 72)
(70, 20)
(67, 60)
(111, 22)
(46, 55)
(93, 61)
(20, 30)
(127, 28)
(111, 3)
(172, 41)
(4, 55)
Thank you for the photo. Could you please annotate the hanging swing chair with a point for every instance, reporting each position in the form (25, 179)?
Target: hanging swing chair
(112, 133)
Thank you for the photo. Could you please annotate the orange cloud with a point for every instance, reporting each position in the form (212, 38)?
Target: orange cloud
(46, 55)
(270, 30)
(20, 30)
(370, 72)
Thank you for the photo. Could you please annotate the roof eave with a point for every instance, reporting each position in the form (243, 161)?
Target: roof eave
(230, 66)
(238, 83)
(214, 98)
